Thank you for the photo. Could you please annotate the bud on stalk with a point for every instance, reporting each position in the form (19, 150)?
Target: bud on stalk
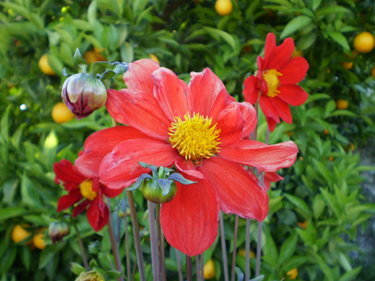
(57, 230)
(83, 94)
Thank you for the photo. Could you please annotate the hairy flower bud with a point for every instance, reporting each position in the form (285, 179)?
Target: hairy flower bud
(58, 230)
(83, 93)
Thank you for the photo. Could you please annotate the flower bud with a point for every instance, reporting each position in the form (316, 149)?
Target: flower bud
(152, 192)
(83, 93)
(58, 230)
(92, 275)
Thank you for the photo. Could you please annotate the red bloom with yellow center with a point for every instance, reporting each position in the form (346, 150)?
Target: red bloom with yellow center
(198, 128)
(276, 81)
(86, 189)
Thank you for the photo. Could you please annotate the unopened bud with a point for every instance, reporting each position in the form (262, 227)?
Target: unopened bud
(83, 94)
(58, 230)
(92, 275)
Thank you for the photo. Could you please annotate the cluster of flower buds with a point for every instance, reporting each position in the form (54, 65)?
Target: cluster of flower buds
(57, 230)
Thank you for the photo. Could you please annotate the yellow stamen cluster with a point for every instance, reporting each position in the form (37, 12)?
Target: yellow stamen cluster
(271, 77)
(86, 190)
(194, 137)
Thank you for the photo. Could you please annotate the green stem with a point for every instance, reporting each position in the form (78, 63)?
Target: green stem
(158, 234)
(128, 273)
(247, 250)
(223, 247)
(115, 251)
(234, 248)
(137, 239)
(80, 245)
(153, 239)
(189, 275)
(180, 276)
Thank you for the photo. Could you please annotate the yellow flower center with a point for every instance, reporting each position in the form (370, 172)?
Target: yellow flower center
(194, 137)
(86, 190)
(271, 77)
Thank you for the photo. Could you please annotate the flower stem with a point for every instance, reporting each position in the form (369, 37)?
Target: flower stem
(234, 247)
(259, 246)
(80, 245)
(115, 251)
(202, 266)
(189, 275)
(197, 268)
(153, 240)
(223, 247)
(159, 237)
(128, 273)
(137, 240)
(180, 276)
(247, 250)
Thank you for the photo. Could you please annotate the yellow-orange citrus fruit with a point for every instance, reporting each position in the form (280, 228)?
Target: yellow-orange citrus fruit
(302, 224)
(209, 270)
(38, 239)
(242, 252)
(342, 104)
(223, 7)
(154, 58)
(297, 53)
(61, 113)
(292, 273)
(364, 42)
(326, 132)
(98, 54)
(19, 233)
(44, 66)
(373, 71)
(331, 158)
(301, 158)
(347, 65)
(352, 147)
(289, 133)
(90, 57)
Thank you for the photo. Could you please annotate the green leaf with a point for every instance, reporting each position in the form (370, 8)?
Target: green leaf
(294, 25)
(26, 256)
(324, 267)
(294, 262)
(7, 259)
(28, 193)
(288, 248)
(345, 263)
(343, 112)
(55, 64)
(112, 274)
(16, 138)
(66, 54)
(301, 205)
(127, 53)
(6, 213)
(332, 10)
(339, 38)
(351, 274)
(76, 268)
(78, 59)
(307, 237)
(4, 125)
(216, 33)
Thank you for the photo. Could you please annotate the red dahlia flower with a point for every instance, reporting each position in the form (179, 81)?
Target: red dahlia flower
(276, 80)
(199, 128)
(85, 188)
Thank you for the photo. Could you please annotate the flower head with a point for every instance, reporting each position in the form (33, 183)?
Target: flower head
(85, 190)
(200, 129)
(276, 81)
(82, 94)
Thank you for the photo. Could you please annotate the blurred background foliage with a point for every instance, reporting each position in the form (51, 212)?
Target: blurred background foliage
(315, 212)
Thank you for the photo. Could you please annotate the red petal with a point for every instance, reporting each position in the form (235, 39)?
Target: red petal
(205, 87)
(271, 123)
(294, 71)
(251, 89)
(269, 158)
(138, 77)
(250, 115)
(268, 107)
(230, 122)
(99, 144)
(190, 220)
(69, 200)
(140, 111)
(271, 177)
(282, 54)
(292, 94)
(121, 165)
(237, 189)
(172, 93)
(187, 167)
(283, 110)
(80, 208)
(97, 215)
(221, 102)
(111, 193)
(268, 52)
(67, 173)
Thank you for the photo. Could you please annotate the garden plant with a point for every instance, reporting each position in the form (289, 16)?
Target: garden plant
(185, 140)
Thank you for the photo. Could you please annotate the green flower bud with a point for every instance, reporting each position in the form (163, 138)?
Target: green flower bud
(92, 275)
(83, 94)
(152, 192)
(58, 230)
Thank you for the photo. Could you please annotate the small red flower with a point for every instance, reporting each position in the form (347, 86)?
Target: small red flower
(85, 189)
(201, 130)
(276, 80)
